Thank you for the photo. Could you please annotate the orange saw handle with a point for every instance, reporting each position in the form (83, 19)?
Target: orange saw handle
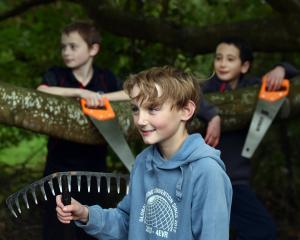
(102, 113)
(273, 96)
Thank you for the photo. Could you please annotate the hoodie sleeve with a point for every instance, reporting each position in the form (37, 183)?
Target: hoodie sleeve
(290, 70)
(108, 224)
(211, 203)
(206, 110)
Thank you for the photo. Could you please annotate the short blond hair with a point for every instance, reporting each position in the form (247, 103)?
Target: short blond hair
(177, 86)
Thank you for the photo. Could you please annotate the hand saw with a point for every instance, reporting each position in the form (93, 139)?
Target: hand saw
(104, 120)
(268, 105)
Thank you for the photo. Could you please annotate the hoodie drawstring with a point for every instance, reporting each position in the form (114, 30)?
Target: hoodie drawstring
(179, 184)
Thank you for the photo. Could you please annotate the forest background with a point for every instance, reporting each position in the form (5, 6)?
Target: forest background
(138, 34)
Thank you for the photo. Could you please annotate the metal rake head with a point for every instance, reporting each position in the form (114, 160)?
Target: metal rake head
(13, 201)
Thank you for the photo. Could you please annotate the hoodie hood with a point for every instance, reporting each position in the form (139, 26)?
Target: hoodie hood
(193, 149)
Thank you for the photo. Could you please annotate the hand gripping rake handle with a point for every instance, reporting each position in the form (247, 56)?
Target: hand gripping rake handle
(66, 195)
(64, 183)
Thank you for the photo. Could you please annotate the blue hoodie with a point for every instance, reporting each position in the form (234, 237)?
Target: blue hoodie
(185, 197)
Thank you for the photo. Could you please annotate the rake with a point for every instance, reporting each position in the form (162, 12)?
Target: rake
(64, 180)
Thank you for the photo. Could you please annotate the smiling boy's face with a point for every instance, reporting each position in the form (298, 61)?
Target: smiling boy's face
(159, 123)
(228, 64)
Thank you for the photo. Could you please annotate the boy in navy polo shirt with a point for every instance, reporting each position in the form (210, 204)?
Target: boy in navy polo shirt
(80, 43)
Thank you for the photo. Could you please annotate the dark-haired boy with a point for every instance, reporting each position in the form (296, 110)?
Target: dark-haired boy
(233, 58)
(80, 43)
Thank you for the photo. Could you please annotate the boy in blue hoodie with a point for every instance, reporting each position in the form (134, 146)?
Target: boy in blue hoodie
(178, 188)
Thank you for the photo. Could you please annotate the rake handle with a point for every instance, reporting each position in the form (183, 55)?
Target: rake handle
(66, 195)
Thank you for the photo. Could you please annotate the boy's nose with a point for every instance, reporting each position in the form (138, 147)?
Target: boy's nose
(141, 119)
(66, 51)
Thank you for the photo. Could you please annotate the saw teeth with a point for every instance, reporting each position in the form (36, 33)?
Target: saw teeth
(13, 201)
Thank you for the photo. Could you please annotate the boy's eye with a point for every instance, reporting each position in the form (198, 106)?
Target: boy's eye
(218, 57)
(154, 109)
(73, 46)
(134, 108)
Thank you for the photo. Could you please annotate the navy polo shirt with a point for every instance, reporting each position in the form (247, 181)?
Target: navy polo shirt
(66, 155)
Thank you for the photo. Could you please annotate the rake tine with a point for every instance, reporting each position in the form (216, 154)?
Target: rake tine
(127, 185)
(98, 183)
(78, 182)
(50, 183)
(18, 204)
(88, 179)
(43, 191)
(26, 200)
(108, 184)
(118, 184)
(34, 195)
(12, 210)
(69, 178)
(59, 183)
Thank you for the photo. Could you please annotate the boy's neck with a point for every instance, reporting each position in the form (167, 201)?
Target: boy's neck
(170, 147)
(233, 84)
(84, 73)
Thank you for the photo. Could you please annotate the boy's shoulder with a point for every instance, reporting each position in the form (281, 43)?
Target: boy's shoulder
(249, 80)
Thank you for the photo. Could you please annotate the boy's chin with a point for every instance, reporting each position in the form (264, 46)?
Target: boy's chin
(149, 141)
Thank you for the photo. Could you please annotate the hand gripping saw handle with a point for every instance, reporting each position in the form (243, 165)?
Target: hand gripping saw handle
(105, 121)
(268, 105)
(22, 198)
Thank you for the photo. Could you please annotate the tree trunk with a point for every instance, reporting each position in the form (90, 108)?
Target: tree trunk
(62, 117)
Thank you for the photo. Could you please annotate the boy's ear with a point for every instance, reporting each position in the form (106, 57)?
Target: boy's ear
(188, 110)
(245, 67)
(94, 49)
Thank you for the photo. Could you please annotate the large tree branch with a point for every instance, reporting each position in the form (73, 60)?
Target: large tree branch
(62, 117)
(23, 7)
(195, 40)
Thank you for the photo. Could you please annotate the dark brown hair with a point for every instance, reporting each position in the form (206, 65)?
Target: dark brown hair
(86, 30)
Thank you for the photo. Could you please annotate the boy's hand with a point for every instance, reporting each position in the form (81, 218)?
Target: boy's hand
(213, 131)
(93, 99)
(275, 78)
(74, 211)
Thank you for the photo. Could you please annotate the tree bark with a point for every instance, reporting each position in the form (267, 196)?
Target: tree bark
(63, 118)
